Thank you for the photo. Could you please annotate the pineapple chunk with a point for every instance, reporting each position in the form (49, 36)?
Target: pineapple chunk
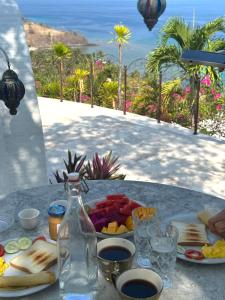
(145, 212)
(112, 227)
(122, 229)
(129, 223)
(104, 230)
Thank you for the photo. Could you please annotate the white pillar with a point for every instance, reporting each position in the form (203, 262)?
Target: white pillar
(22, 152)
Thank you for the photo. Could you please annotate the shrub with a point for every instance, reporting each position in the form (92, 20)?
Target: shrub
(98, 168)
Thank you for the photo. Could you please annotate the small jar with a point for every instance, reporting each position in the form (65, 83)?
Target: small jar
(55, 216)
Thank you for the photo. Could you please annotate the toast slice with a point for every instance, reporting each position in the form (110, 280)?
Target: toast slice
(39, 257)
(191, 234)
(204, 216)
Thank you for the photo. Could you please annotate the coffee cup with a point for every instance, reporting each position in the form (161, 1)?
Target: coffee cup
(115, 255)
(139, 284)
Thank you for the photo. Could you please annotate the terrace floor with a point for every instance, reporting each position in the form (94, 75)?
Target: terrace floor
(148, 151)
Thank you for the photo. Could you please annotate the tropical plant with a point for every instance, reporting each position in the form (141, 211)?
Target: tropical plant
(144, 100)
(103, 168)
(177, 36)
(74, 163)
(77, 80)
(122, 35)
(50, 89)
(108, 93)
(171, 89)
(98, 168)
(61, 52)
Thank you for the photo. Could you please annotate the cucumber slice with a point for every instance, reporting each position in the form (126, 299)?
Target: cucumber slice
(24, 243)
(11, 247)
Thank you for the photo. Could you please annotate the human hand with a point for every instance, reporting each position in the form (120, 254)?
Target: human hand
(216, 224)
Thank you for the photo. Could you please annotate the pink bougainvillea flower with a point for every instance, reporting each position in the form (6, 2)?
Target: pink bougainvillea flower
(202, 91)
(187, 90)
(99, 64)
(84, 98)
(206, 80)
(219, 107)
(213, 91)
(175, 95)
(178, 97)
(128, 104)
(217, 96)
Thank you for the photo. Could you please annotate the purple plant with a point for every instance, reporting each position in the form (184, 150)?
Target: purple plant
(103, 168)
(99, 168)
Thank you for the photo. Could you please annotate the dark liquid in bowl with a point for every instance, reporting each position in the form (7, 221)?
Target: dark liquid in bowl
(139, 289)
(114, 253)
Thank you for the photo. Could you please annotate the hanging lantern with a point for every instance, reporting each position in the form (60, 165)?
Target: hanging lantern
(11, 90)
(151, 10)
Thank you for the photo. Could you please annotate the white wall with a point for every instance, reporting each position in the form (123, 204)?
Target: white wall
(22, 153)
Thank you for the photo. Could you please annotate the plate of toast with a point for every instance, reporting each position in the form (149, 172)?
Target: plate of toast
(194, 238)
(28, 271)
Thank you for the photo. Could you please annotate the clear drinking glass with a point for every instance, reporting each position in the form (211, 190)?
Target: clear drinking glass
(163, 253)
(143, 230)
(7, 216)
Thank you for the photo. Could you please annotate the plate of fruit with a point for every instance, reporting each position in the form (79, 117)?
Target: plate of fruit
(112, 216)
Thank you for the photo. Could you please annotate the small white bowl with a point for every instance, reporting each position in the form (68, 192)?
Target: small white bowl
(28, 218)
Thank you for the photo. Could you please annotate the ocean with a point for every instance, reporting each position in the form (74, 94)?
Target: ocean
(95, 20)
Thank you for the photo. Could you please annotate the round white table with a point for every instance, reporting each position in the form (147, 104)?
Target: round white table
(192, 281)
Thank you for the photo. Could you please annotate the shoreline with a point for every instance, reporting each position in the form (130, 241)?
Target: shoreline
(42, 36)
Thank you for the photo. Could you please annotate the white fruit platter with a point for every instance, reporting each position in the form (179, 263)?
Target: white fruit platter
(9, 292)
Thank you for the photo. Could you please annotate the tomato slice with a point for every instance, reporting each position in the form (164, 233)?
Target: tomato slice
(40, 237)
(2, 250)
(194, 254)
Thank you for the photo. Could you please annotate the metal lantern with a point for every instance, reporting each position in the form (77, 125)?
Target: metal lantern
(151, 10)
(11, 88)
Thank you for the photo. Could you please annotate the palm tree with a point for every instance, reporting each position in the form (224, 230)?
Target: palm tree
(122, 35)
(61, 52)
(177, 36)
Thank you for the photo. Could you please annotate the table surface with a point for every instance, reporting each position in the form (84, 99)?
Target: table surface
(191, 281)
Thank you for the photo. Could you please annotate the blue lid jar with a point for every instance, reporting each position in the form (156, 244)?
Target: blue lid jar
(56, 210)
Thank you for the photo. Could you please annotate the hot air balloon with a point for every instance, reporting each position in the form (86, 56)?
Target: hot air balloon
(151, 10)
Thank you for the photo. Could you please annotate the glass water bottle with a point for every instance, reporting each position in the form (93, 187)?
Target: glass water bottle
(77, 248)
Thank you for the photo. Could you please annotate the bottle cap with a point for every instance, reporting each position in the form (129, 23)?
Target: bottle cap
(56, 210)
(75, 176)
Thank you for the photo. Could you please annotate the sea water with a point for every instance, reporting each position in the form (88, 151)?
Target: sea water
(95, 20)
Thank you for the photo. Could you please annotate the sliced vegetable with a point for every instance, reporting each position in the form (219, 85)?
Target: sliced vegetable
(11, 247)
(2, 250)
(24, 243)
(194, 254)
(40, 237)
(180, 249)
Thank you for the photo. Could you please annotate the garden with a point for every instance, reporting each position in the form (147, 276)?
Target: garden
(165, 89)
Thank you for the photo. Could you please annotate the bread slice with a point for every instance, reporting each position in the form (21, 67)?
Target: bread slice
(39, 257)
(28, 280)
(204, 216)
(191, 234)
